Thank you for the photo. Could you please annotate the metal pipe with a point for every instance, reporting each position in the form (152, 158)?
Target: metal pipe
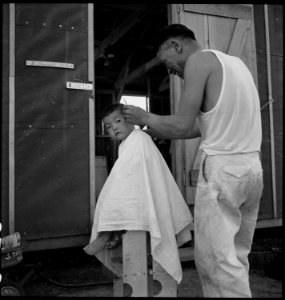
(270, 100)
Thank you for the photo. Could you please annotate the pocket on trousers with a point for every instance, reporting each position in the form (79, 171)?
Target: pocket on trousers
(237, 171)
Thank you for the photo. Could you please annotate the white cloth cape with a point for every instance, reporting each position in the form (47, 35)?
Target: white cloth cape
(141, 194)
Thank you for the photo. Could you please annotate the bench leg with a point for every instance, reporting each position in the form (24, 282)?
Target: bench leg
(136, 279)
(164, 284)
(136, 275)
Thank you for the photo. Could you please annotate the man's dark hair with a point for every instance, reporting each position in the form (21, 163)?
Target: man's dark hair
(111, 108)
(174, 30)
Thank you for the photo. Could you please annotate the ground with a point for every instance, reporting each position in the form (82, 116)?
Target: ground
(71, 273)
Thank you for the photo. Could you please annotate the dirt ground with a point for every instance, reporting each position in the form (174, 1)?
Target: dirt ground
(71, 273)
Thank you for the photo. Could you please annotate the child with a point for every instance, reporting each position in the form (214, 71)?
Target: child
(118, 130)
(140, 194)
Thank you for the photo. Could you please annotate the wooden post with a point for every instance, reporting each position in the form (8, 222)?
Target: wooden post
(136, 276)
(12, 118)
(92, 130)
(271, 120)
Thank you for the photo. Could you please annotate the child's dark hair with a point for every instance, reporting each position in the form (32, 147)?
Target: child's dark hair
(111, 108)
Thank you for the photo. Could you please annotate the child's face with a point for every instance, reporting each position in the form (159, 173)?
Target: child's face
(117, 127)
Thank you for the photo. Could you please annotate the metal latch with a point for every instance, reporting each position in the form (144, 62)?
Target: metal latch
(79, 86)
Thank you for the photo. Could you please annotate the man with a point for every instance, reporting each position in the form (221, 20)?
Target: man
(220, 103)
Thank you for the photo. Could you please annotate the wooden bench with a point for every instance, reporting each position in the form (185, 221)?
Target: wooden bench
(137, 275)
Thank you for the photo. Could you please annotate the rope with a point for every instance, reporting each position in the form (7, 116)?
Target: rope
(269, 101)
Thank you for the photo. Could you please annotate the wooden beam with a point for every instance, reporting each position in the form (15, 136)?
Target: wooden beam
(135, 269)
(239, 37)
(123, 74)
(271, 116)
(121, 30)
(92, 129)
(267, 223)
(138, 72)
(240, 11)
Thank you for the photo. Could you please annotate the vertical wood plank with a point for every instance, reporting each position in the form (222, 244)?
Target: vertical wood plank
(92, 129)
(271, 120)
(251, 50)
(265, 209)
(195, 22)
(199, 24)
(178, 146)
(101, 173)
(219, 33)
(277, 58)
(206, 32)
(239, 37)
(174, 16)
(12, 119)
(135, 268)
(91, 70)
(92, 161)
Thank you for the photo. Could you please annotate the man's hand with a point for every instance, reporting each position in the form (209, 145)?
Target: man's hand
(134, 114)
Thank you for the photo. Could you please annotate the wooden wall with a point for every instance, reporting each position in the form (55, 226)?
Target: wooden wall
(276, 48)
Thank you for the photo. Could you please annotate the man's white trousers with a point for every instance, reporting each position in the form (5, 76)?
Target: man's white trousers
(226, 208)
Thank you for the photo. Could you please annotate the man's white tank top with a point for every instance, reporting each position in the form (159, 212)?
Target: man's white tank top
(233, 125)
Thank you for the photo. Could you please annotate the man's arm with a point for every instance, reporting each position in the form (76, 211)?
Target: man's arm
(182, 124)
(195, 132)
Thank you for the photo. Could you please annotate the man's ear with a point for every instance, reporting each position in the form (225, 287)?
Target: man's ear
(178, 45)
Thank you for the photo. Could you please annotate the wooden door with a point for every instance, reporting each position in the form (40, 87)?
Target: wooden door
(51, 150)
(225, 27)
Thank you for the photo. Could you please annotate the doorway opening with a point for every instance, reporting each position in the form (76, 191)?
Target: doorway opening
(124, 37)
(140, 101)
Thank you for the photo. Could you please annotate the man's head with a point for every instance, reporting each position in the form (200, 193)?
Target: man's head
(116, 125)
(175, 43)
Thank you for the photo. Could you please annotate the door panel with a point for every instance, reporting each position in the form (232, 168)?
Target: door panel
(224, 27)
(52, 188)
